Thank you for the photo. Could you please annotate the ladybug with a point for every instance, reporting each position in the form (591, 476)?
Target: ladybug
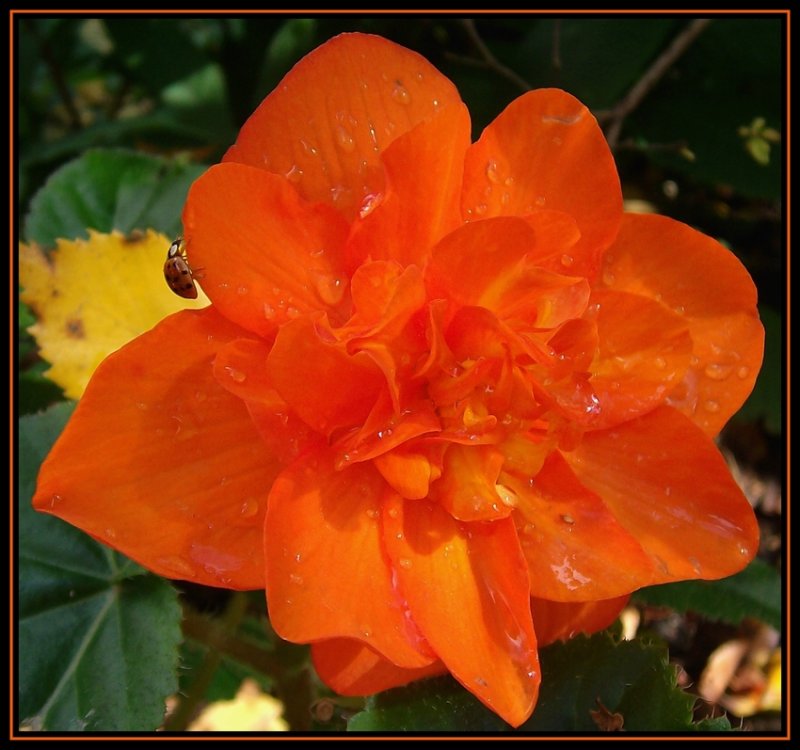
(178, 273)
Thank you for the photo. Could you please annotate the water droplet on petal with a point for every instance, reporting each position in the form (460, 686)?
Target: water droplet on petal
(405, 563)
(660, 362)
(743, 550)
(237, 376)
(393, 512)
(329, 287)
(242, 290)
(743, 371)
(481, 209)
(55, 500)
(711, 406)
(608, 278)
(296, 579)
(491, 172)
(696, 567)
(567, 519)
(269, 312)
(400, 94)
(344, 139)
(295, 174)
(372, 513)
(717, 371)
(292, 312)
(567, 260)
(369, 204)
(298, 557)
(540, 201)
(249, 508)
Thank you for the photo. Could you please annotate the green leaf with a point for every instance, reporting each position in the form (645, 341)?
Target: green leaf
(109, 189)
(629, 677)
(439, 705)
(755, 592)
(98, 636)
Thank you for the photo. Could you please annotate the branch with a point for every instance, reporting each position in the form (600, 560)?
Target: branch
(652, 76)
(488, 60)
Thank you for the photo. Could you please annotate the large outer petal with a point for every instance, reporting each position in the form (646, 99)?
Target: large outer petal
(546, 151)
(705, 283)
(466, 586)
(668, 485)
(162, 463)
(327, 573)
(643, 352)
(422, 198)
(325, 125)
(351, 668)
(266, 255)
(575, 548)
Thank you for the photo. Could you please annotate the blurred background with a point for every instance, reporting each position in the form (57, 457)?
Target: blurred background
(694, 113)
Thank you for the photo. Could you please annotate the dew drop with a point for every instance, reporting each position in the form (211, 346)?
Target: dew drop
(505, 199)
(743, 371)
(660, 362)
(296, 579)
(55, 499)
(330, 288)
(249, 508)
(200, 396)
(142, 406)
(369, 204)
(717, 371)
(372, 513)
(667, 491)
(405, 563)
(237, 376)
(111, 534)
(344, 140)
(292, 312)
(436, 104)
(308, 148)
(317, 252)
(528, 529)
(743, 550)
(298, 557)
(394, 512)
(608, 278)
(367, 633)
(696, 567)
(711, 406)
(242, 290)
(491, 172)
(481, 682)
(567, 260)
(400, 94)
(540, 201)
(295, 174)
(177, 567)
(680, 309)
(567, 519)
(269, 312)
(481, 209)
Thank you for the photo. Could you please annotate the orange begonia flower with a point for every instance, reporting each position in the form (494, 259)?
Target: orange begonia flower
(447, 395)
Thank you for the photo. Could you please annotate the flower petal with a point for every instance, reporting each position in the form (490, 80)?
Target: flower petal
(575, 548)
(327, 122)
(715, 296)
(323, 549)
(266, 255)
(351, 668)
(321, 382)
(467, 489)
(467, 588)
(162, 463)
(644, 351)
(422, 198)
(668, 485)
(546, 150)
(241, 368)
(560, 621)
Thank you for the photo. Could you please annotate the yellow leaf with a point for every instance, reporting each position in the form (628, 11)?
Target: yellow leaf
(92, 296)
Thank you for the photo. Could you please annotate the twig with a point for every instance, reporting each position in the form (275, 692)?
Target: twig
(616, 116)
(489, 60)
(58, 78)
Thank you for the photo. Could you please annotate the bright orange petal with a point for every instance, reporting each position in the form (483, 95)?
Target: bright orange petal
(466, 586)
(468, 486)
(644, 351)
(546, 151)
(422, 198)
(575, 548)
(668, 485)
(351, 668)
(266, 255)
(327, 122)
(487, 263)
(321, 382)
(241, 368)
(162, 463)
(560, 621)
(705, 284)
(327, 574)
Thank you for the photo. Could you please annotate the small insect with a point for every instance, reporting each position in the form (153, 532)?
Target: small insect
(177, 271)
